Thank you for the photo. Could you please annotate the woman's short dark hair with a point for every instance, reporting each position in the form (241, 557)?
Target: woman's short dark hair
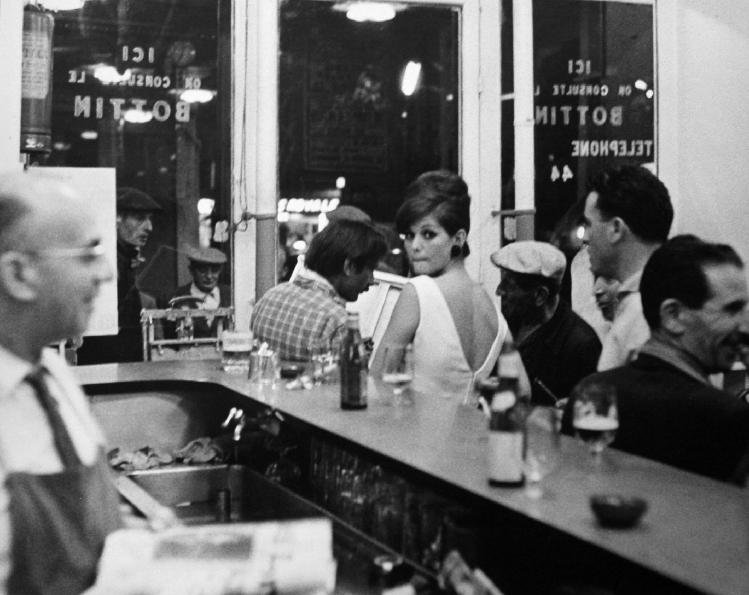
(358, 241)
(441, 193)
(676, 270)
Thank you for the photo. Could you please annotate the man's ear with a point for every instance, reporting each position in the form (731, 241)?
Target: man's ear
(616, 229)
(540, 295)
(672, 316)
(349, 268)
(19, 278)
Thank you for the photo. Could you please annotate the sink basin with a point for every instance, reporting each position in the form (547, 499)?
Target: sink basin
(201, 494)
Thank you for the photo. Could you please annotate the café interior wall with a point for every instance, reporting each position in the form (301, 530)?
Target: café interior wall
(711, 162)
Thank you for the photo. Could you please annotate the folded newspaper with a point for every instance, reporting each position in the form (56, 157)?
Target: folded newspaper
(237, 559)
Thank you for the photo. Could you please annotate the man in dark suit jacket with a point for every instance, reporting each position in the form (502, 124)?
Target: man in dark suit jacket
(205, 266)
(694, 298)
(558, 348)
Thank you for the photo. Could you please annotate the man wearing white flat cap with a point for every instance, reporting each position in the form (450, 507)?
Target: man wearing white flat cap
(558, 347)
(206, 266)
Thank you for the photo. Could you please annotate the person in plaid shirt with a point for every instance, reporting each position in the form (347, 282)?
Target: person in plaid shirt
(307, 316)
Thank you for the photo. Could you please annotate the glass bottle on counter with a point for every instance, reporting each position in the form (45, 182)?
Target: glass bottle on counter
(506, 444)
(353, 365)
(507, 422)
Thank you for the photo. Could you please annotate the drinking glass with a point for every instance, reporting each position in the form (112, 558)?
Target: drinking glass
(595, 416)
(235, 351)
(543, 443)
(398, 370)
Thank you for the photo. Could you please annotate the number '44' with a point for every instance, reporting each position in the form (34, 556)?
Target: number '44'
(565, 174)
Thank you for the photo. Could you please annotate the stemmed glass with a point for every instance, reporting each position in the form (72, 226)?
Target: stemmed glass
(398, 370)
(595, 415)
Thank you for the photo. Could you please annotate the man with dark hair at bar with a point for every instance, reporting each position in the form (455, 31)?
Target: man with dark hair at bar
(307, 316)
(694, 298)
(57, 500)
(627, 215)
(558, 348)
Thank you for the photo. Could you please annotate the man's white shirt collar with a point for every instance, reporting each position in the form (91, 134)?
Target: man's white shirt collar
(211, 299)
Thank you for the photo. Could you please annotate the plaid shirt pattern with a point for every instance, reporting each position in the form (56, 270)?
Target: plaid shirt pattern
(300, 318)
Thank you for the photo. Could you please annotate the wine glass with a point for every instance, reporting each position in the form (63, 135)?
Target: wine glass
(595, 416)
(398, 370)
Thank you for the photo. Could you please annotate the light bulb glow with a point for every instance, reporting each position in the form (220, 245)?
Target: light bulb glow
(137, 116)
(641, 85)
(205, 206)
(340, 182)
(411, 78)
(373, 12)
(63, 4)
(196, 95)
(108, 74)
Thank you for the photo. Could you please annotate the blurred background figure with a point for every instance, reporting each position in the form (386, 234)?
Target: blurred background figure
(558, 348)
(205, 266)
(455, 326)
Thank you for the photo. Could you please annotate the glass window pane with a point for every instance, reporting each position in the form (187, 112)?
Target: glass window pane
(142, 86)
(356, 123)
(594, 98)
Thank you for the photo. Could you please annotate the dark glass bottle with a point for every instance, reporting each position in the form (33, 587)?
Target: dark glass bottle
(353, 364)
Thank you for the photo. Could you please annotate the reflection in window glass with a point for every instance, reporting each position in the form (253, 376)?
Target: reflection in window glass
(364, 107)
(138, 86)
(594, 101)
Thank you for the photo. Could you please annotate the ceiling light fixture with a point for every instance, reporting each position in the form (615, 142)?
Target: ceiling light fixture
(109, 75)
(63, 4)
(411, 77)
(137, 116)
(372, 12)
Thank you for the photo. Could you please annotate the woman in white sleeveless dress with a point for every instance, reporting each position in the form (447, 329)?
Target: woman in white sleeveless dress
(456, 328)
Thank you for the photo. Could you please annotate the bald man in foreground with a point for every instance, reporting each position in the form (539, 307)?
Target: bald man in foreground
(57, 500)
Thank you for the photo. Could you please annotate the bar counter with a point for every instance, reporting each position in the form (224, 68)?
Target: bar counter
(695, 532)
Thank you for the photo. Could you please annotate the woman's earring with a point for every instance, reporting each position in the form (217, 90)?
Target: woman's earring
(456, 251)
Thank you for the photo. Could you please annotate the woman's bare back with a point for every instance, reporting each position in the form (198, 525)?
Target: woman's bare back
(473, 313)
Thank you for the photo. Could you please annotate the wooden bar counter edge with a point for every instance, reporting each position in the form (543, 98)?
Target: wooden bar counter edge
(696, 530)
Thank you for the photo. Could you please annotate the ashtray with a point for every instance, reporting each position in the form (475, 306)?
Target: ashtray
(291, 371)
(616, 510)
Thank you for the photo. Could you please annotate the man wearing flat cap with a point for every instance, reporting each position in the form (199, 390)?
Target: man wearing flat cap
(205, 266)
(557, 347)
(135, 211)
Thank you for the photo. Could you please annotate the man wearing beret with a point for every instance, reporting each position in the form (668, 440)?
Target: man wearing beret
(557, 347)
(205, 266)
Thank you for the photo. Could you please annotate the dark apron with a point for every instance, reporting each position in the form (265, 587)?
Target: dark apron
(59, 522)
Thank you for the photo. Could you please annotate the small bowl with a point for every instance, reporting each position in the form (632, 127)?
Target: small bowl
(617, 510)
(291, 371)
